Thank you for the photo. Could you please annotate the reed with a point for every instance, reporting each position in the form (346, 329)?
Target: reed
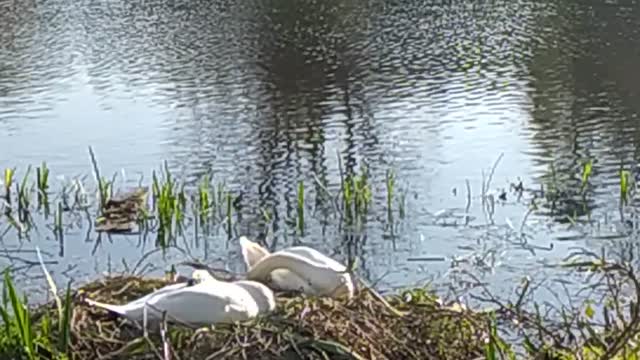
(23, 338)
(42, 183)
(105, 189)
(496, 348)
(552, 191)
(181, 207)
(58, 228)
(300, 207)
(166, 206)
(204, 200)
(172, 205)
(268, 222)
(390, 181)
(218, 202)
(64, 325)
(402, 203)
(24, 197)
(18, 326)
(169, 204)
(624, 186)
(587, 169)
(8, 182)
(229, 218)
(16, 224)
(103, 184)
(356, 196)
(343, 191)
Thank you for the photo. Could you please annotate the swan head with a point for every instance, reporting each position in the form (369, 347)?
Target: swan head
(200, 275)
(263, 296)
(346, 287)
(252, 252)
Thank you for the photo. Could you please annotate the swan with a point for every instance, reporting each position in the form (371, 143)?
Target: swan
(281, 279)
(262, 295)
(298, 268)
(202, 302)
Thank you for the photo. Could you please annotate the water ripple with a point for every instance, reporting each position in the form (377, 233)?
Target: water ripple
(262, 95)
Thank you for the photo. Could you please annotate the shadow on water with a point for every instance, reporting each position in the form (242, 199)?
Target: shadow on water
(265, 95)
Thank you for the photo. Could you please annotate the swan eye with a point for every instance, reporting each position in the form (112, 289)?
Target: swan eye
(191, 282)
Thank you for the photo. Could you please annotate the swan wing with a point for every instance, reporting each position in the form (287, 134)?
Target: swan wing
(118, 309)
(160, 292)
(134, 310)
(286, 280)
(301, 266)
(205, 303)
(252, 252)
(261, 294)
(320, 278)
(134, 307)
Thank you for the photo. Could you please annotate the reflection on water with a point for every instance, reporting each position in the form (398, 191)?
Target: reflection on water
(264, 94)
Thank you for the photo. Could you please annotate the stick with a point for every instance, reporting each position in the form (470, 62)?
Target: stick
(52, 284)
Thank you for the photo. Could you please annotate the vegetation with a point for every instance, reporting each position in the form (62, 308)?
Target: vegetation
(411, 324)
(174, 208)
(23, 337)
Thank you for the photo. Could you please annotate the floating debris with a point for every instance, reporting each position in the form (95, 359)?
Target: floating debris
(121, 213)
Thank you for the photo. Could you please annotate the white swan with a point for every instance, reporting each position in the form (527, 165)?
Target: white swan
(282, 278)
(297, 268)
(206, 302)
(261, 294)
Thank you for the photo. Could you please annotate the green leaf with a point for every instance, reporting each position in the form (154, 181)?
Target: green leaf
(586, 173)
(589, 311)
(65, 324)
(8, 177)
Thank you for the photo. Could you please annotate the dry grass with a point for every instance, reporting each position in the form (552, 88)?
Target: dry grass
(300, 328)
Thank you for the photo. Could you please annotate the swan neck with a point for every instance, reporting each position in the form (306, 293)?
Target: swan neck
(292, 262)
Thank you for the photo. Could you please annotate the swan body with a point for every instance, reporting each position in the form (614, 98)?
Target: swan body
(262, 295)
(298, 268)
(207, 301)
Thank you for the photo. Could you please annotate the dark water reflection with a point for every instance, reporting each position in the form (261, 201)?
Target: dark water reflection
(263, 94)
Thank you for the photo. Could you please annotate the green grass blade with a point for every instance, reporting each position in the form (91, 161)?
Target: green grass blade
(8, 177)
(21, 317)
(586, 174)
(25, 179)
(65, 323)
(5, 318)
(624, 186)
(301, 207)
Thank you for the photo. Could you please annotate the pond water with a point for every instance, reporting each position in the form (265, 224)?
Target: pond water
(264, 94)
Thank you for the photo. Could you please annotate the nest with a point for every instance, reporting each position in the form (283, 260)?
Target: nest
(120, 214)
(412, 325)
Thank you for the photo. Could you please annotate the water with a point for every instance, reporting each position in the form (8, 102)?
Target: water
(263, 94)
